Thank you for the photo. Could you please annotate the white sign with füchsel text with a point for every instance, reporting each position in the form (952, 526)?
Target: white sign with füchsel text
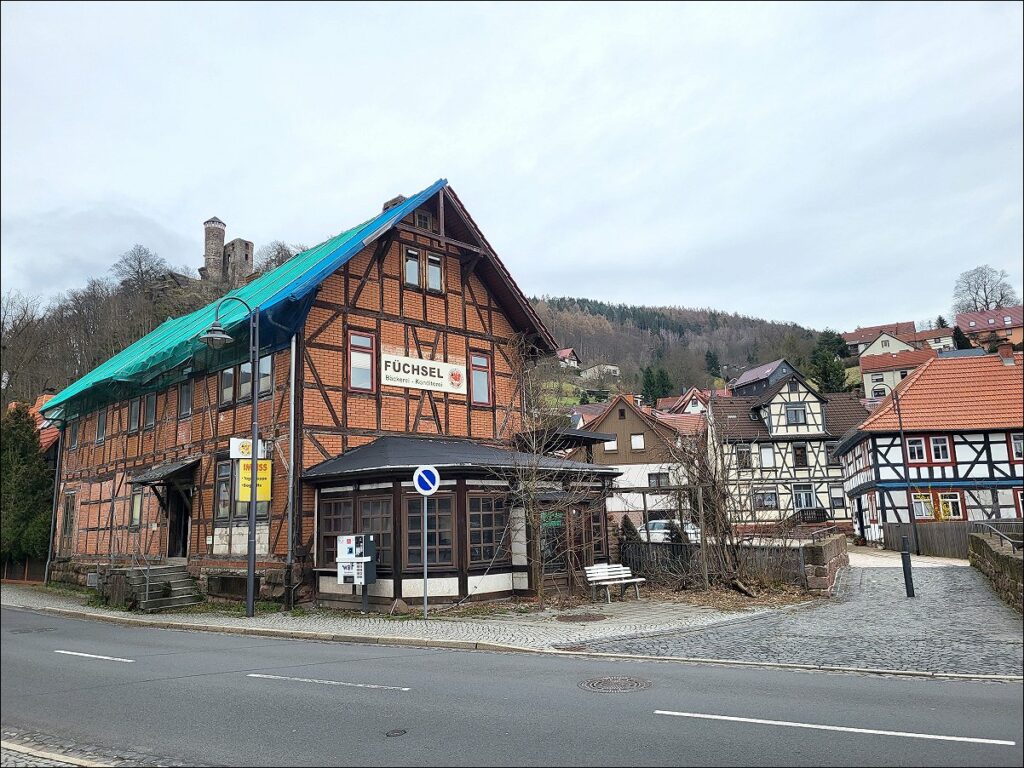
(417, 373)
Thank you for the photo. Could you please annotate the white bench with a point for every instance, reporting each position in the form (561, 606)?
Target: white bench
(607, 574)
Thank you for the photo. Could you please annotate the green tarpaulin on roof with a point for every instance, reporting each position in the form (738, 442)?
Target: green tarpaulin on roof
(283, 295)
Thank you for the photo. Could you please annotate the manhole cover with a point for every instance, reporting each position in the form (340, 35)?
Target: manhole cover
(27, 631)
(615, 684)
(581, 617)
(396, 732)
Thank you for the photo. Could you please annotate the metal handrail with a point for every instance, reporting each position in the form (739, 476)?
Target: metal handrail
(1014, 543)
(141, 562)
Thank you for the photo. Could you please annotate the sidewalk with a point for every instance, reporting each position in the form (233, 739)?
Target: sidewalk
(537, 631)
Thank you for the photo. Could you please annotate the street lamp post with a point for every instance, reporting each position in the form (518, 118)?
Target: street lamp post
(216, 338)
(906, 465)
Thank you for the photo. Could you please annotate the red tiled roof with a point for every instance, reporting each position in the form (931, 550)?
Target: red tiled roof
(871, 332)
(683, 423)
(998, 317)
(908, 358)
(565, 354)
(47, 434)
(666, 403)
(956, 393)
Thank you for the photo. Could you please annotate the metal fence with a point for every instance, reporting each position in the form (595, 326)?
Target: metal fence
(945, 539)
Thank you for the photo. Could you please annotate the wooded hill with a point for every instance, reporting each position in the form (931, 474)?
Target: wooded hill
(685, 342)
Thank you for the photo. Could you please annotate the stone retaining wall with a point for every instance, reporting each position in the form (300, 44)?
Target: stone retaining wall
(822, 561)
(1003, 567)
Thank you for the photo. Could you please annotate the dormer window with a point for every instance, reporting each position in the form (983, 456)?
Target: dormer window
(991, 321)
(972, 324)
(1007, 320)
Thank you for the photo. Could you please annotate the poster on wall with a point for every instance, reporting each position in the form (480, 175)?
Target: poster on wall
(417, 373)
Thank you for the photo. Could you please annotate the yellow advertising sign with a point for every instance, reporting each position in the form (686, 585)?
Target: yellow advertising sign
(244, 488)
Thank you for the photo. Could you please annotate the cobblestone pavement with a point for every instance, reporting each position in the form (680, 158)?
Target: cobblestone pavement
(872, 557)
(627, 618)
(955, 624)
(10, 758)
(75, 749)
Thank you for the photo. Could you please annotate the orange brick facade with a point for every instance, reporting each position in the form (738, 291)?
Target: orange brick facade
(368, 294)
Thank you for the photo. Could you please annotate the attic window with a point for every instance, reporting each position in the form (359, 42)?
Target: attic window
(794, 385)
(991, 321)
(972, 323)
(424, 220)
(1007, 319)
(622, 413)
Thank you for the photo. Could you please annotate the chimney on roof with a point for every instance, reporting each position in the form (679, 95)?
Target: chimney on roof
(630, 397)
(393, 202)
(1005, 350)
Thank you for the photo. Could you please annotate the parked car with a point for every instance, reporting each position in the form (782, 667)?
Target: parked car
(659, 531)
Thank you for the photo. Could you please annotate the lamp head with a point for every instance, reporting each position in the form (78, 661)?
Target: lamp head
(215, 337)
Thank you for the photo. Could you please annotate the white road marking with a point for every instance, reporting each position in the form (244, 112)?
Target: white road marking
(817, 727)
(94, 656)
(330, 682)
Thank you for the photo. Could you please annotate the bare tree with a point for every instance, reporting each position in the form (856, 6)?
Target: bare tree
(274, 254)
(21, 321)
(983, 288)
(138, 267)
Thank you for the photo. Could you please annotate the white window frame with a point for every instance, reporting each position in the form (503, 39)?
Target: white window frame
(637, 442)
(919, 500)
(912, 444)
(832, 496)
(611, 446)
(942, 441)
(767, 450)
(1017, 442)
(796, 408)
(811, 494)
(952, 498)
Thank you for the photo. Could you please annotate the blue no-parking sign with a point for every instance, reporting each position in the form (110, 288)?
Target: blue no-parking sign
(426, 480)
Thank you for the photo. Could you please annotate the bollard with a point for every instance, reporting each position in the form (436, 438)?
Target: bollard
(908, 577)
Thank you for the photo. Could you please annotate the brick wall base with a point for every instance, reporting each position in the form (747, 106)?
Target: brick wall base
(822, 561)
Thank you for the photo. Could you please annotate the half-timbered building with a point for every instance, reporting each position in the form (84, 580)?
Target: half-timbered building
(776, 451)
(407, 325)
(963, 421)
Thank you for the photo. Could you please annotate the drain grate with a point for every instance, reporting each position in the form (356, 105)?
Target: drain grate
(615, 684)
(396, 732)
(581, 617)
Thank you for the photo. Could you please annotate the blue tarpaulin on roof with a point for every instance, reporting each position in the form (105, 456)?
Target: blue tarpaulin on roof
(283, 295)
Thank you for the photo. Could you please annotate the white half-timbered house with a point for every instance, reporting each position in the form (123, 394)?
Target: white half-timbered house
(776, 451)
(963, 421)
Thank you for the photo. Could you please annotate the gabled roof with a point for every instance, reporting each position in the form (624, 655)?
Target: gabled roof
(403, 453)
(908, 339)
(908, 358)
(758, 373)
(997, 316)
(683, 423)
(769, 394)
(283, 296)
(869, 333)
(956, 394)
(588, 412)
(565, 353)
(732, 416)
(48, 434)
(934, 333)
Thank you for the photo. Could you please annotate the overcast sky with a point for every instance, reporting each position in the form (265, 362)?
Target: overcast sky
(833, 165)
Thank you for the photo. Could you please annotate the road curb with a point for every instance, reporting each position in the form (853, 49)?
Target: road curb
(55, 756)
(464, 645)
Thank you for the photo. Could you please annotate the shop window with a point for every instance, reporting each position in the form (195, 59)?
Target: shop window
(361, 356)
(241, 506)
(185, 399)
(489, 534)
(480, 382)
(375, 519)
(439, 531)
(335, 520)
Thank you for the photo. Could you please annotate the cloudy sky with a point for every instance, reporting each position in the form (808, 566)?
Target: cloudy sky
(834, 165)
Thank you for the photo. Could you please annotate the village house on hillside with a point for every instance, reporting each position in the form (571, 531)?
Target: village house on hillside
(776, 451)
(883, 372)
(397, 342)
(861, 338)
(760, 378)
(651, 450)
(963, 418)
(993, 326)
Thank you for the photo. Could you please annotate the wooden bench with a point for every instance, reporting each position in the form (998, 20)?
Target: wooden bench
(607, 574)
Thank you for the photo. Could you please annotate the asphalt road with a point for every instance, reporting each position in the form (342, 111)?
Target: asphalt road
(209, 698)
